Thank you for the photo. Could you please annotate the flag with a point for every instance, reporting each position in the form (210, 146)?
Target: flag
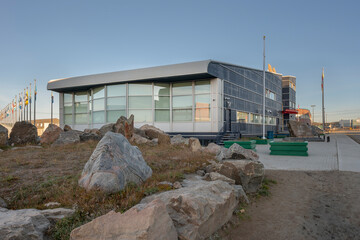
(52, 98)
(322, 80)
(20, 101)
(26, 97)
(35, 92)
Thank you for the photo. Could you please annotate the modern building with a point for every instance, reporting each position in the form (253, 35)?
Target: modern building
(201, 99)
(288, 99)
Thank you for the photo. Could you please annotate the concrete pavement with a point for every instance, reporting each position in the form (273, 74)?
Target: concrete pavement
(341, 153)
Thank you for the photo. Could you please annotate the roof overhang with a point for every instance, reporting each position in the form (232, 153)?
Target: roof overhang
(175, 72)
(290, 111)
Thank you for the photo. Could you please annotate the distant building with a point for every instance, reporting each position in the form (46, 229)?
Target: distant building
(201, 99)
(42, 124)
(304, 116)
(288, 99)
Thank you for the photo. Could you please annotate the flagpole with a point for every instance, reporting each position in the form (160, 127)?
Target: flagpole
(263, 118)
(35, 93)
(323, 108)
(52, 101)
(30, 102)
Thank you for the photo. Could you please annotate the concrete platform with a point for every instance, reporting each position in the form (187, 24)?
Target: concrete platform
(341, 153)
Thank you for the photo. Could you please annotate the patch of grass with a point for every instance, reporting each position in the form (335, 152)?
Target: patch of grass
(264, 190)
(10, 178)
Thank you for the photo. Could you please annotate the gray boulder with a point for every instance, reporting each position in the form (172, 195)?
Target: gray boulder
(89, 136)
(140, 132)
(213, 148)
(179, 139)
(3, 135)
(2, 203)
(125, 126)
(68, 137)
(106, 128)
(213, 176)
(23, 133)
(154, 132)
(247, 173)
(199, 208)
(194, 144)
(113, 164)
(139, 139)
(236, 152)
(143, 221)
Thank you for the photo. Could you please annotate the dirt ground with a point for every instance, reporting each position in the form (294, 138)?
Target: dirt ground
(303, 205)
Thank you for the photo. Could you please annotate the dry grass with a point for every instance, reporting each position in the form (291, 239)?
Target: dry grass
(30, 178)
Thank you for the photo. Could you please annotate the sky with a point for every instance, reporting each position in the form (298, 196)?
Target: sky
(47, 40)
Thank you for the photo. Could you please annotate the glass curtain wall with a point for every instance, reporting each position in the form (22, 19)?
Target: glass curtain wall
(182, 101)
(202, 101)
(140, 101)
(81, 108)
(162, 102)
(98, 98)
(116, 102)
(68, 107)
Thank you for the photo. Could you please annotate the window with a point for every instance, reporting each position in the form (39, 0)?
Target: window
(68, 108)
(255, 118)
(81, 108)
(140, 101)
(270, 120)
(116, 102)
(242, 117)
(98, 105)
(182, 102)
(270, 94)
(162, 102)
(202, 101)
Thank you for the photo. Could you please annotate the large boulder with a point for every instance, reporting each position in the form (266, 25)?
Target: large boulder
(213, 148)
(3, 135)
(125, 126)
(213, 176)
(139, 139)
(154, 132)
(89, 136)
(140, 132)
(150, 221)
(67, 128)
(50, 135)
(23, 133)
(113, 164)
(179, 139)
(247, 173)
(68, 137)
(300, 129)
(106, 128)
(199, 208)
(236, 152)
(27, 224)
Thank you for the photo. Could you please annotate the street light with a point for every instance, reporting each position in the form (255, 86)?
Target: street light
(313, 116)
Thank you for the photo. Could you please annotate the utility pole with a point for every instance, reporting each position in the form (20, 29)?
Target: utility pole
(263, 118)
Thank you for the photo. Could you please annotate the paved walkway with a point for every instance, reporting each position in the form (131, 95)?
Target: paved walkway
(341, 153)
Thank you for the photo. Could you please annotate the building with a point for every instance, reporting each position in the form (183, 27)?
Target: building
(201, 99)
(288, 99)
(303, 115)
(42, 124)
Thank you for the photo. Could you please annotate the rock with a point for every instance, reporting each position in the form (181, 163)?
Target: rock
(177, 185)
(67, 137)
(213, 148)
(125, 126)
(106, 128)
(300, 129)
(56, 214)
(50, 135)
(229, 170)
(236, 152)
(213, 167)
(67, 128)
(240, 194)
(165, 184)
(93, 130)
(2, 203)
(23, 133)
(200, 172)
(3, 135)
(153, 132)
(22, 224)
(179, 139)
(139, 139)
(113, 164)
(140, 132)
(251, 174)
(52, 204)
(194, 144)
(150, 222)
(213, 176)
(199, 209)
(89, 136)
(155, 141)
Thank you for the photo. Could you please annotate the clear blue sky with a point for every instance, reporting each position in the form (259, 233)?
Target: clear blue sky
(55, 39)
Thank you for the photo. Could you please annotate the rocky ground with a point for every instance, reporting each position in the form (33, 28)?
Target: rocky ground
(303, 205)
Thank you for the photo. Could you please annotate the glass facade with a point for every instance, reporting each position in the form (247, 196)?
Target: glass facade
(148, 102)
